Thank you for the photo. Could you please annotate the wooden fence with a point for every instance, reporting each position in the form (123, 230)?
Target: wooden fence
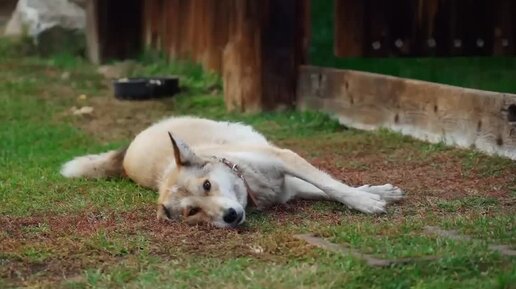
(258, 46)
(425, 27)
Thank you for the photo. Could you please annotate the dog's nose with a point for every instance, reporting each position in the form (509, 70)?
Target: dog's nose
(232, 216)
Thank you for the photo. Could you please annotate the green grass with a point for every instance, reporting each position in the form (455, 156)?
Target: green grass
(193, 76)
(469, 202)
(488, 73)
(60, 233)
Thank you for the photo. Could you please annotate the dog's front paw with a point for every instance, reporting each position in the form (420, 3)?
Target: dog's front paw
(367, 203)
(387, 192)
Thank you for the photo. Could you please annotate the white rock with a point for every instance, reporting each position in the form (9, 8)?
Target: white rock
(54, 25)
(85, 110)
(36, 16)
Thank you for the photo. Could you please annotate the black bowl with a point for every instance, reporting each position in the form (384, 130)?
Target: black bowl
(145, 87)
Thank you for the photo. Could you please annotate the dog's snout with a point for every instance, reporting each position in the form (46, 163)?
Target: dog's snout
(233, 217)
(230, 216)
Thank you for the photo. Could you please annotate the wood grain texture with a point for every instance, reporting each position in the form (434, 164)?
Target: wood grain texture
(242, 60)
(381, 28)
(428, 111)
(349, 28)
(92, 35)
(257, 46)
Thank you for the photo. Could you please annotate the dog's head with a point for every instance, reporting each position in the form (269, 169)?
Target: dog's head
(201, 190)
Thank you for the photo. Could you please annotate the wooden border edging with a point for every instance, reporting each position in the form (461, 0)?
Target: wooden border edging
(428, 111)
(504, 250)
(369, 259)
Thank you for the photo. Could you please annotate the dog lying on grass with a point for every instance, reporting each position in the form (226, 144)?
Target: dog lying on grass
(209, 171)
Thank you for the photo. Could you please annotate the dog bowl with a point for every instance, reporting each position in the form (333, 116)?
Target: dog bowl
(142, 88)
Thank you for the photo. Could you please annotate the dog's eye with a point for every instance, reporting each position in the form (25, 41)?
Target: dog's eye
(191, 211)
(206, 185)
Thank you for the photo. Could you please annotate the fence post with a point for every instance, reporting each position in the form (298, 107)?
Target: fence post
(265, 48)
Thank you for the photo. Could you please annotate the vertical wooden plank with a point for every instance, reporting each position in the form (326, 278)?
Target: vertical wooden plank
(262, 57)
(92, 31)
(512, 38)
(349, 28)
(484, 27)
(163, 26)
(205, 41)
(204, 36)
(190, 28)
(148, 7)
(402, 23)
(153, 22)
(456, 42)
(304, 31)
(171, 25)
(242, 67)
(196, 31)
(182, 16)
(504, 30)
(120, 30)
(219, 24)
(442, 28)
(378, 33)
(477, 18)
(426, 40)
(282, 49)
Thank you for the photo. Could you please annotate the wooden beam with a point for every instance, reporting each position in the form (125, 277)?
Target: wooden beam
(242, 59)
(92, 31)
(432, 112)
(504, 31)
(265, 48)
(282, 51)
(349, 28)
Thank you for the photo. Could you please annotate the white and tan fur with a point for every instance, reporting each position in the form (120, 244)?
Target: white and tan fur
(181, 165)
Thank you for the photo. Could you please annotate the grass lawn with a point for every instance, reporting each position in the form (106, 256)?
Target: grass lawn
(60, 233)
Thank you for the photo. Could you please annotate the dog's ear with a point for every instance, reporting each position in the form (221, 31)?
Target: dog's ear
(183, 155)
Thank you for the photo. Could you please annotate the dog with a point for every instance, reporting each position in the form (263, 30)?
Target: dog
(208, 172)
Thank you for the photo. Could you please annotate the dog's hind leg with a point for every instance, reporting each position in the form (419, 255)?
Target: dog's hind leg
(295, 188)
(296, 166)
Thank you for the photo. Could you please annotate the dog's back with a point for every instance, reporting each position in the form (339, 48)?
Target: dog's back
(199, 132)
(150, 153)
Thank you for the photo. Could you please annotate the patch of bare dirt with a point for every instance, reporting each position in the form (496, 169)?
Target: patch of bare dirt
(108, 118)
(113, 119)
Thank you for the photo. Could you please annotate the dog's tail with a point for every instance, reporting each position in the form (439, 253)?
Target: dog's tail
(104, 165)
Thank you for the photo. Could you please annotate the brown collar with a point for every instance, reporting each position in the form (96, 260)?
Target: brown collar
(236, 169)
